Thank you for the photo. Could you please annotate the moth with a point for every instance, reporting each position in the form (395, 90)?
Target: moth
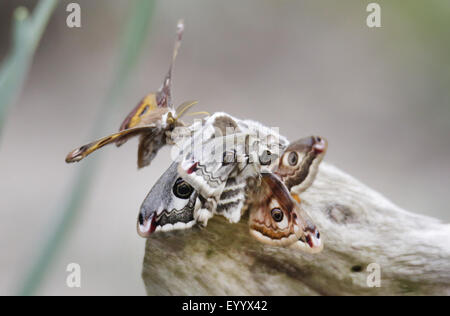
(152, 120)
(297, 169)
(229, 188)
(239, 166)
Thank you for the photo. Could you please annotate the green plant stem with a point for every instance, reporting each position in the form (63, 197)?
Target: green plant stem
(27, 32)
(133, 38)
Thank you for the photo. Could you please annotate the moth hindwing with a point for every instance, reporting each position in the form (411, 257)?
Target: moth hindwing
(299, 163)
(169, 205)
(277, 219)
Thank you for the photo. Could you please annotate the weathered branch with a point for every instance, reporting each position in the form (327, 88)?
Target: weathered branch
(358, 225)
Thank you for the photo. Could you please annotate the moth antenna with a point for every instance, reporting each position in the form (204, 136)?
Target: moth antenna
(164, 96)
(182, 108)
(199, 113)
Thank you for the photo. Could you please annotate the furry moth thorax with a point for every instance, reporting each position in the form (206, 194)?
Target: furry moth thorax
(222, 166)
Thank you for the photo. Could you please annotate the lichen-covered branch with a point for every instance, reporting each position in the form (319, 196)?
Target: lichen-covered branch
(358, 225)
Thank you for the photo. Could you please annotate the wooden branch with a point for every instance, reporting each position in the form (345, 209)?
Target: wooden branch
(358, 226)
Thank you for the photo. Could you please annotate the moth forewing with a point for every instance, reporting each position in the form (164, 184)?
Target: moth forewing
(145, 113)
(206, 164)
(85, 150)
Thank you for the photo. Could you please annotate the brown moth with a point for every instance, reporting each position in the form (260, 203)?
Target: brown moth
(152, 119)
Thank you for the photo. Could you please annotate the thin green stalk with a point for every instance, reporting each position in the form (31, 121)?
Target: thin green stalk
(133, 38)
(27, 32)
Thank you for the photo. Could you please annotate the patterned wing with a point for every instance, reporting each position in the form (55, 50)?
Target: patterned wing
(206, 167)
(85, 150)
(300, 161)
(159, 102)
(211, 154)
(155, 108)
(170, 205)
(277, 219)
(219, 166)
(151, 119)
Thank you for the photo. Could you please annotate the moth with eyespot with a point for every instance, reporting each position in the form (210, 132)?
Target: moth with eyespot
(266, 198)
(261, 172)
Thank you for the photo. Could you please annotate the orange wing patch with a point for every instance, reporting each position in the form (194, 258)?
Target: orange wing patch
(138, 116)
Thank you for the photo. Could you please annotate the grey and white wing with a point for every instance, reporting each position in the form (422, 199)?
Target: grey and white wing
(171, 204)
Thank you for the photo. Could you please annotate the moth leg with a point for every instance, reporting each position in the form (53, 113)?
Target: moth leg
(206, 211)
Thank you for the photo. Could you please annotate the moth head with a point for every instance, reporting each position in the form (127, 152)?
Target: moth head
(267, 158)
(170, 205)
(300, 161)
(266, 153)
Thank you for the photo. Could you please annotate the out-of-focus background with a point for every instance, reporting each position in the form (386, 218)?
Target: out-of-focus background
(380, 95)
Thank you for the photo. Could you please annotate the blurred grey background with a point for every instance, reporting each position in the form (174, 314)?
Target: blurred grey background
(380, 96)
